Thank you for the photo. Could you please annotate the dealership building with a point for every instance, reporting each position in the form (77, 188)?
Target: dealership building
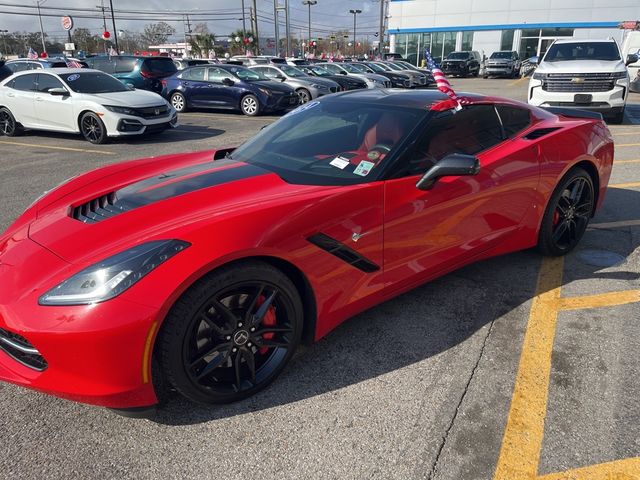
(486, 26)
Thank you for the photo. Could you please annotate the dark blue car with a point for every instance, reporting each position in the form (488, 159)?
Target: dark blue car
(227, 86)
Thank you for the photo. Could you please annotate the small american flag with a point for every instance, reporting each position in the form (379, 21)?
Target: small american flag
(441, 81)
(73, 63)
(32, 54)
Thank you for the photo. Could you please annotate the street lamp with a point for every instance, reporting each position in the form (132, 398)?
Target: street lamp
(354, 12)
(309, 3)
(40, 2)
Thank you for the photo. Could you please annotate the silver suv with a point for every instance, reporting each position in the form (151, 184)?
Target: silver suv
(502, 64)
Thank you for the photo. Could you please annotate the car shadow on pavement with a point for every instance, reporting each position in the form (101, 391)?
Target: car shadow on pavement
(423, 323)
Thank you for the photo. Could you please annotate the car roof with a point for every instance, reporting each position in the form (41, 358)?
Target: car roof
(58, 71)
(585, 40)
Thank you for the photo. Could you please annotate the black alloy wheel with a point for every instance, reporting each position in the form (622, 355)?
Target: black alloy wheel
(305, 96)
(8, 125)
(567, 215)
(232, 333)
(92, 128)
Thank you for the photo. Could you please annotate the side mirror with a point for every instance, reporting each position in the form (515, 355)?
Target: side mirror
(228, 82)
(282, 78)
(453, 165)
(631, 58)
(59, 92)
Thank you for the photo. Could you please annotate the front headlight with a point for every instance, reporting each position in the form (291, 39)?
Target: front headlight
(109, 278)
(318, 86)
(123, 110)
(266, 91)
(539, 76)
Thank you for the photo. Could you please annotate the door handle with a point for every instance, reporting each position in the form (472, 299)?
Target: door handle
(10, 95)
(39, 99)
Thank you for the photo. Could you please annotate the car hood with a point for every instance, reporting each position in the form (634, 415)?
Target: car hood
(130, 98)
(457, 60)
(274, 86)
(322, 81)
(113, 208)
(371, 76)
(581, 66)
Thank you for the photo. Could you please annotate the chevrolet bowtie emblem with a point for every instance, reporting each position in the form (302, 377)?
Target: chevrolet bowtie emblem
(577, 80)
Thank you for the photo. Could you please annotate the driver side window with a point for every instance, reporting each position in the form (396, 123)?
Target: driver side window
(469, 131)
(216, 75)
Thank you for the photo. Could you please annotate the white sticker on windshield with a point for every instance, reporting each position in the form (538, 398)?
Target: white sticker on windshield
(302, 108)
(73, 77)
(339, 162)
(364, 168)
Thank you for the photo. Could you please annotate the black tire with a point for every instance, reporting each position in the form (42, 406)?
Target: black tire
(231, 334)
(179, 102)
(567, 215)
(304, 94)
(92, 128)
(8, 125)
(618, 117)
(249, 105)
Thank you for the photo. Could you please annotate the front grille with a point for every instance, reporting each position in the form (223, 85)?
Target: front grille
(152, 112)
(98, 209)
(19, 348)
(333, 89)
(578, 82)
(387, 84)
(407, 83)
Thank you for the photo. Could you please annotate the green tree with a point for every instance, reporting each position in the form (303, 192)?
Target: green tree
(239, 48)
(84, 40)
(155, 33)
(202, 44)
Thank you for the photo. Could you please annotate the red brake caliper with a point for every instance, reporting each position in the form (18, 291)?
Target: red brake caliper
(268, 321)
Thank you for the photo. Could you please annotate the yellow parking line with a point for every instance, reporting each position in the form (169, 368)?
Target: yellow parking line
(610, 299)
(626, 469)
(628, 145)
(625, 133)
(622, 223)
(625, 185)
(517, 81)
(51, 147)
(522, 441)
(617, 162)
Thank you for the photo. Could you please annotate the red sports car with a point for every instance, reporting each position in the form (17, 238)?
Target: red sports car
(206, 270)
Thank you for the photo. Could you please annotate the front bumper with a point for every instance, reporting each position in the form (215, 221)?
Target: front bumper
(499, 70)
(96, 354)
(455, 69)
(119, 125)
(277, 102)
(612, 100)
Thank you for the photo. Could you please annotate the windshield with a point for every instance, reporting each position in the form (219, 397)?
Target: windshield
(501, 55)
(330, 142)
(582, 51)
(93, 82)
(321, 72)
(458, 56)
(246, 74)
(292, 71)
(376, 68)
(392, 66)
(352, 68)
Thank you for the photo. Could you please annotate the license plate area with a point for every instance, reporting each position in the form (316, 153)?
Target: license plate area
(582, 98)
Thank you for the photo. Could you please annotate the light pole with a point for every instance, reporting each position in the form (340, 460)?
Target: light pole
(113, 21)
(309, 3)
(40, 2)
(381, 28)
(4, 41)
(244, 23)
(354, 12)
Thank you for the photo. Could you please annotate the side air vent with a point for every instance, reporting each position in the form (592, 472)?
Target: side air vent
(344, 253)
(98, 209)
(19, 348)
(540, 132)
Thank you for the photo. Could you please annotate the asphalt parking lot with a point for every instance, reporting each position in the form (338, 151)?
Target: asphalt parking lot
(512, 368)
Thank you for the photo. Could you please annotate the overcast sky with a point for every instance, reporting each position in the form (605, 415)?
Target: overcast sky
(222, 15)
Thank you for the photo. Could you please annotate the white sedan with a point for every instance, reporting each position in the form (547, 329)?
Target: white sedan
(84, 101)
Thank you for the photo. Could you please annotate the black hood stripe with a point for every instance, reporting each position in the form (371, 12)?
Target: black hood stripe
(165, 186)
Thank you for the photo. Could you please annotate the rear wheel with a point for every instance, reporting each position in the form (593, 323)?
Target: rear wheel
(232, 333)
(178, 102)
(567, 215)
(92, 128)
(305, 95)
(8, 124)
(249, 105)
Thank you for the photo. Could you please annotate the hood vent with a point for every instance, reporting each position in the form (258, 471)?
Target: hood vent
(540, 132)
(98, 209)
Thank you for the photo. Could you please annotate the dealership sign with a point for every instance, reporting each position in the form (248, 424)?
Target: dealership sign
(67, 23)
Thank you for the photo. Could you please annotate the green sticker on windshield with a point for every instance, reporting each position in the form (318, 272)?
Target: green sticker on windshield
(364, 168)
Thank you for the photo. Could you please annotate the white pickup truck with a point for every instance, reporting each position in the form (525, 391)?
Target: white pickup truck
(586, 74)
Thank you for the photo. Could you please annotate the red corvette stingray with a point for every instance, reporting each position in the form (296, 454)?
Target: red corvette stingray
(207, 269)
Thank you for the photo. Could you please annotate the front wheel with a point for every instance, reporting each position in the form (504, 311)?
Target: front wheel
(232, 333)
(8, 124)
(305, 96)
(93, 129)
(567, 215)
(249, 105)
(618, 117)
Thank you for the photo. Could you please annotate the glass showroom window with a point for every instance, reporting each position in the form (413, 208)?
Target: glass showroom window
(467, 41)
(506, 40)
